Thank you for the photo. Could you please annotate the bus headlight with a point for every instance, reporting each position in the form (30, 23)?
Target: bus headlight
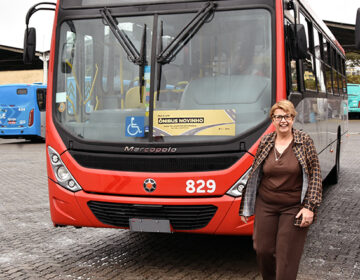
(55, 158)
(62, 174)
(237, 188)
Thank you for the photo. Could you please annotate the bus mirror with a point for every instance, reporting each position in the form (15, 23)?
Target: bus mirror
(41, 98)
(298, 41)
(29, 45)
(357, 30)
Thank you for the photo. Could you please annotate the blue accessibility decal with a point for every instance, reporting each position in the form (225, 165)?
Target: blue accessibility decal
(135, 126)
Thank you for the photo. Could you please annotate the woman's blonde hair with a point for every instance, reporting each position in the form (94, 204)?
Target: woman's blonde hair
(284, 105)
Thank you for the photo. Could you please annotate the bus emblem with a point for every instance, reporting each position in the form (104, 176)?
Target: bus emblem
(149, 185)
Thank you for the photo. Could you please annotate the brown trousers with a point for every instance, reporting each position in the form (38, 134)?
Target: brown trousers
(277, 242)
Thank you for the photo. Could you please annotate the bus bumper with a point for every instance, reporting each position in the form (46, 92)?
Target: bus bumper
(69, 208)
(354, 110)
(9, 132)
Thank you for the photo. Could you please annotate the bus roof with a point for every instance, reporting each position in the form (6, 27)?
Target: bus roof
(97, 3)
(24, 85)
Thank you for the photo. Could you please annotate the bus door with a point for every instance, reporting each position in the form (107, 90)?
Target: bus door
(41, 102)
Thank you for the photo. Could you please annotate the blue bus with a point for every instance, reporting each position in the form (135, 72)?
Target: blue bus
(354, 99)
(22, 111)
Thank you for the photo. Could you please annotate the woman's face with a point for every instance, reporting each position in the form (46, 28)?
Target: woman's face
(283, 121)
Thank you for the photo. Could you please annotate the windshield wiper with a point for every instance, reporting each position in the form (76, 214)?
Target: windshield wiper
(142, 63)
(159, 65)
(176, 45)
(128, 46)
(120, 35)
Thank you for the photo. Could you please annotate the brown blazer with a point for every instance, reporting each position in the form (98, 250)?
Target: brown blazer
(305, 153)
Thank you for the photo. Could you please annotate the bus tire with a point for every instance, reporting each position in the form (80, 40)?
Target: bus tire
(333, 177)
(36, 139)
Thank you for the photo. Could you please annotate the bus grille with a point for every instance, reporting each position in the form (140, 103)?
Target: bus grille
(144, 163)
(182, 217)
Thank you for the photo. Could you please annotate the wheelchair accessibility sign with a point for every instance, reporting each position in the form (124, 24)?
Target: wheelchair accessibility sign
(135, 126)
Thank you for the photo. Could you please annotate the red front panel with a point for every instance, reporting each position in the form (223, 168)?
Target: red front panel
(69, 208)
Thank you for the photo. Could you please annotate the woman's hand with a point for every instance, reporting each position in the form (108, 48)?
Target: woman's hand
(244, 219)
(307, 217)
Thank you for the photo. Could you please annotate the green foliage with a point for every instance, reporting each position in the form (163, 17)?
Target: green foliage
(310, 84)
(353, 79)
(353, 59)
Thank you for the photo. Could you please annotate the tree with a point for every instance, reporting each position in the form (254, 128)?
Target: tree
(353, 79)
(353, 59)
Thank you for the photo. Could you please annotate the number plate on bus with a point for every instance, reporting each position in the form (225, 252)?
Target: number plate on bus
(149, 225)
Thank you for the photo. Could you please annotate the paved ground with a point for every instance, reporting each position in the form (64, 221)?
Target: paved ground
(333, 247)
(30, 248)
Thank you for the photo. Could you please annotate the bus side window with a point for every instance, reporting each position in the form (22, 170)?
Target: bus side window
(41, 99)
(291, 64)
(339, 70)
(335, 76)
(320, 68)
(327, 63)
(309, 62)
(344, 75)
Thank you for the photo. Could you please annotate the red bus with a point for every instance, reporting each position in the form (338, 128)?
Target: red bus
(155, 108)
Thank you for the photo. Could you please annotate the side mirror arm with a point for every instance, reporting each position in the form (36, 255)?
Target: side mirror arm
(30, 33)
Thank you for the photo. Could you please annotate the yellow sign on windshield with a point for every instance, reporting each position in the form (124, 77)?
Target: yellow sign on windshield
(194, 122)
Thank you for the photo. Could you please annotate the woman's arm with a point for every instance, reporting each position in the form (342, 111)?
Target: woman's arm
(257, 155)
(313, 195)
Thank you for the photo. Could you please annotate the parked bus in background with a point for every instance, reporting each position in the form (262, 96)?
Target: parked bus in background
(156, 107)
(354, 99)
(22, 111)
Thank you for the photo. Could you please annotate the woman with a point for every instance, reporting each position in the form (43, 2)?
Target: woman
(283, 191)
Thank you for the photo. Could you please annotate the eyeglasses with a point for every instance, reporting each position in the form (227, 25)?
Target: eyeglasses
(278, 118)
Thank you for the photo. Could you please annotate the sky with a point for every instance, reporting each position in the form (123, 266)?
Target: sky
(343, 11)
(13, 12)
(12, 23)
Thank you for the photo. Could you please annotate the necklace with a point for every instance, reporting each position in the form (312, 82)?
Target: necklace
(276, 151)
(277, 158)
(280, 154)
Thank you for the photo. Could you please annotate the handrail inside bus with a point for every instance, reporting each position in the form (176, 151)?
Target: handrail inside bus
(92, 85)
(76, 80)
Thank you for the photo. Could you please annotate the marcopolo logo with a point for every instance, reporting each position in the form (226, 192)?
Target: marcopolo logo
(149, 185)
(149, 150)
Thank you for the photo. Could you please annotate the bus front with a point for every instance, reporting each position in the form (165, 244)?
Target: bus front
(156, 111)
(354, 99)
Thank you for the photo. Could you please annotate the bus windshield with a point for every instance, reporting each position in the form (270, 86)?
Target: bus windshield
(213, 84)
